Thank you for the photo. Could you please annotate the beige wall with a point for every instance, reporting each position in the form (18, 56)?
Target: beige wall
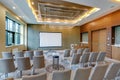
(3, 47)
(69, 36)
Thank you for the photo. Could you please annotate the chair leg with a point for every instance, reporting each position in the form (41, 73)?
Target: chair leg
(32, 71)
(6, 75)
(89, 63)
(83, 64)
(20, 74)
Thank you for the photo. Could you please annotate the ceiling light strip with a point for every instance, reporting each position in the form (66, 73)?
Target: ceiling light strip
(87, 14)
(33, 11)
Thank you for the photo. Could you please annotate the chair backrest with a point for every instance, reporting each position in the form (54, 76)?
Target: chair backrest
(112, 71)
(75, 58)
(42, 76)
(93, 57)
(29, 54)
(118, 73)
(73, 51)
(38, 62)
(18, 54)
(7, 55)
(38, 52)
(86, 50)
(84, 58)
(98, 72)
(67, 53)
(101, 56)
(61, 75)
(82, 73)
(23, 63)
(80, 50)
(7, 65)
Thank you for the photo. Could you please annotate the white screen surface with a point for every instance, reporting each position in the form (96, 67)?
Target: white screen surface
(48, 39)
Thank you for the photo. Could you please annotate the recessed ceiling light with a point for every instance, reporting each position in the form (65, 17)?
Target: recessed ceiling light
(32, 3)
(18, 18)
(14, 7)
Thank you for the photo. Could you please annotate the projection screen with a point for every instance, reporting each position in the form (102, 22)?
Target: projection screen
(50, 39)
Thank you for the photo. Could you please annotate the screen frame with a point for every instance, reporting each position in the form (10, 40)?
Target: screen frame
(50, 46)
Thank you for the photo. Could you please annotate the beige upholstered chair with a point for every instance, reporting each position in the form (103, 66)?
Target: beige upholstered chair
(38, 52)
(67, 53)
(7, 66)
(101, 56)
(23, 63)
(112, 71)
(29, 54)
(86, 50)
(38, 63)
(7, 55)
(82, 73)
(18, 54)
(118, 75)
(98, 72)
(92, 58)
(61, 75)
(84, 59)
(75, 58)
(42, 76)
(73, 51)
(80, 50)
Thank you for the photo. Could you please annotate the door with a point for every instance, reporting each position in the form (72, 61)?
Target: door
(99, 40)
(102, 40)
(95, 41)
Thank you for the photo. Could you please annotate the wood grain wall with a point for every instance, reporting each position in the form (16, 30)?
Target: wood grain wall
(106, 22)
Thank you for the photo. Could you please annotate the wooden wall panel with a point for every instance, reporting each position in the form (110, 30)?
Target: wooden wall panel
(95, 41)
(105, 22)
(115, 18)
(109, 42)
(116, 52)
(99, 40)
(102, 40)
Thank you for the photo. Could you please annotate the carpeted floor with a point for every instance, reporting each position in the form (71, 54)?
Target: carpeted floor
(74, 67)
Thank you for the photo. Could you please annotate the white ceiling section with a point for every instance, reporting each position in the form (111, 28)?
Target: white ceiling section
(23, 10)
(106, 7)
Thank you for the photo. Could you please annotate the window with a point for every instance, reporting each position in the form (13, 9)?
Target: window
(117, 35)
(13, 32)
(85, 37)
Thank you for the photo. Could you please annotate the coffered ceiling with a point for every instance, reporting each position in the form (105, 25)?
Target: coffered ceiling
(61, 12)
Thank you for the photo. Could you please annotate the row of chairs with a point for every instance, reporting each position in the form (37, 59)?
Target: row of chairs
(21, 63)
(70, 52)
(16, 54)
(89, 58)
(99, 72)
